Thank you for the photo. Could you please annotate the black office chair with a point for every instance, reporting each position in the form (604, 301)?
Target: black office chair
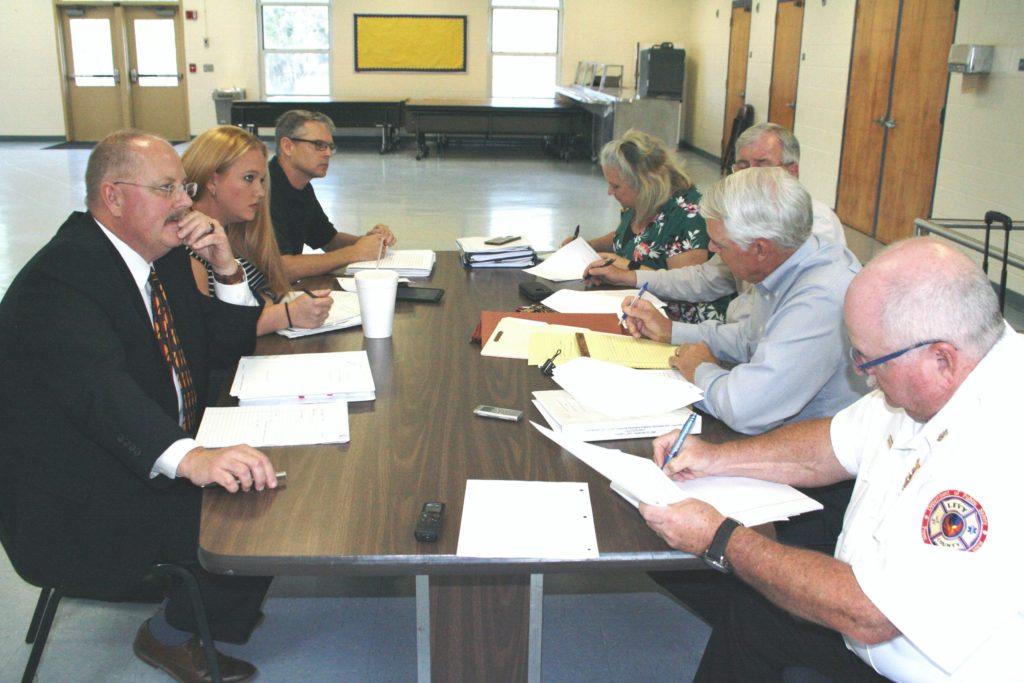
(744, 119)
(50, 597)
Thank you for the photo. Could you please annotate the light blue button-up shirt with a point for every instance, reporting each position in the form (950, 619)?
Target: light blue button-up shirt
(791, 355)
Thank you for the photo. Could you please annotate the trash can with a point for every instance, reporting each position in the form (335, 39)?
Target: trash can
(222, 99)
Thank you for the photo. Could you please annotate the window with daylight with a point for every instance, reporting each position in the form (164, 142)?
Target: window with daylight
(295, 47)
(525, 47)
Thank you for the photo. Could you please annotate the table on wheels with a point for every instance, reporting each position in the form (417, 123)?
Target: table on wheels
(351, 508)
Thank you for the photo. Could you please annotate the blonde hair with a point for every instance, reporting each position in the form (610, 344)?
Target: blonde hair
(213, 152)
(644, 163)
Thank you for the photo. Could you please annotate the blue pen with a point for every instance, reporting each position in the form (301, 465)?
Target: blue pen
(640, 295)
(683, 433)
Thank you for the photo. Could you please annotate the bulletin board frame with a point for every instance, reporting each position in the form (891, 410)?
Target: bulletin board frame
(410, 42)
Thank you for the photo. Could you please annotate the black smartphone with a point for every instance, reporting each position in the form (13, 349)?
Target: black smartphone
(429, 294)
(502, 240)
(535, 291)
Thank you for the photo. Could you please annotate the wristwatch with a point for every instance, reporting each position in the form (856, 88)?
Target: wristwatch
(634, 265)
(715, 554)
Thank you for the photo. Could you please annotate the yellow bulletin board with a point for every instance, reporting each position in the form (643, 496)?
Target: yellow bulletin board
(404, 42)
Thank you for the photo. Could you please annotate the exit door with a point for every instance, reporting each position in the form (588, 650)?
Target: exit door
(124, 68)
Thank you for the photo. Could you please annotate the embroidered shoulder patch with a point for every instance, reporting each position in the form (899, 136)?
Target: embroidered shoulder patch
(955, 520)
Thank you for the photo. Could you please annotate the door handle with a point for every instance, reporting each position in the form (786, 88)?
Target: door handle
(133, 75)
(116, 75)
(791, 105)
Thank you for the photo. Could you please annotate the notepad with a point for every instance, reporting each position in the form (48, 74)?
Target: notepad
(344, 314)
(303, 378)
(567, 415)
(407, 262)
(262, 426)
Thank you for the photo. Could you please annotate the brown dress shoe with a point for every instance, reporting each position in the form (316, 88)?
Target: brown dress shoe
(186, 663)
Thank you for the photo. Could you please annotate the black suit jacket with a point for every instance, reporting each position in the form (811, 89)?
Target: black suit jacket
(87, 405)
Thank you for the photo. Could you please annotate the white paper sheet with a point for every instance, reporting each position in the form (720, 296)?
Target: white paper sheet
(750, 501)
(260, 426)
(344, 313)
(596, 300)
(552, 520)
(615, 390)
(568, 263)
(339, 375)
(408, 262)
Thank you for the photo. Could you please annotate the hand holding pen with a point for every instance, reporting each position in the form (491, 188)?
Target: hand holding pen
(632, 305)
(575, 235)
(684, 431)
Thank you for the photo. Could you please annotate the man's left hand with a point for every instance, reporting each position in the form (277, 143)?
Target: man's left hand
(689, 356)
(207, 238)
(688, 525)
(384, 232)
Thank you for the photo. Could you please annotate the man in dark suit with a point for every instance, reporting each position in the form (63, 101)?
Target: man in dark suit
(101, 474)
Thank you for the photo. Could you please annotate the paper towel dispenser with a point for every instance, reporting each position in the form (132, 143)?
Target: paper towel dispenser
(970, 59)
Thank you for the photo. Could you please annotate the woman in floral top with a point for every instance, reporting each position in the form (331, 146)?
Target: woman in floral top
(661, 226)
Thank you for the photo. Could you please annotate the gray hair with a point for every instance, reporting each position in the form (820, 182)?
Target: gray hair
(647, 165)
(291, 122)
(953, 302)
(790, 145)
(114, 155)
(761, 203)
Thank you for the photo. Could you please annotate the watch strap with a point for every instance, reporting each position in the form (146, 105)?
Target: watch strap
(634, 265)
(715, 554)
(235, 278)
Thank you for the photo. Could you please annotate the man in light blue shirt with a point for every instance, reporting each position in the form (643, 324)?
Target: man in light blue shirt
(787, 361)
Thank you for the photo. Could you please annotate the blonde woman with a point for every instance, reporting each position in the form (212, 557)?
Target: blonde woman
(229, 165)
(661, 226)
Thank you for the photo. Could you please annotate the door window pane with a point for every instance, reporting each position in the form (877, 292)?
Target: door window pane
(92, 53)
(518, 76)
(156, 56)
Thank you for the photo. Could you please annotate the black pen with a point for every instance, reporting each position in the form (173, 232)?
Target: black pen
(576, 232)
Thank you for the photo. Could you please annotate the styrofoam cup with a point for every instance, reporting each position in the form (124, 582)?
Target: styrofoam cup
(376, 291)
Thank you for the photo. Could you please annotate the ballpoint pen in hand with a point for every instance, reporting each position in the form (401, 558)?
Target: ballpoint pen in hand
(632, 304)
(380, 253)
(576, 232)
(683, 433)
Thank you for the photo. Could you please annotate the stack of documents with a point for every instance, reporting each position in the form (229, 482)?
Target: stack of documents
(552, 520)
(639, 480)
(568, 416)
(304, 378)
(476, 254)
(611, 389)
(568, 263)
(407, 262)
(344, 313)
(288, 425)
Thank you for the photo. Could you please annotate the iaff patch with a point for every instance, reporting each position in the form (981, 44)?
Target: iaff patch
(954, 520)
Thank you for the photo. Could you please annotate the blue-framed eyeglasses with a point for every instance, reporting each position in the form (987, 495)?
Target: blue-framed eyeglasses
(863, 365)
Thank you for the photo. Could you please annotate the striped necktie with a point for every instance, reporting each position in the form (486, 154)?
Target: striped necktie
(170, 346)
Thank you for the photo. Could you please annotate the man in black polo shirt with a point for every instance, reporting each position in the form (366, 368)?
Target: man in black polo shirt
(304, 147)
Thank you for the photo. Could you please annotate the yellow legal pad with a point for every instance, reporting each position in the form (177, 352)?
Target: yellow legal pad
(643, 354)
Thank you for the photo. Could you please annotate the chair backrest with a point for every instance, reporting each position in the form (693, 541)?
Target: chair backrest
(744, 119)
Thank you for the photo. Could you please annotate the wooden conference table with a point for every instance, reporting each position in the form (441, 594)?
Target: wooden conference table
(351, 508)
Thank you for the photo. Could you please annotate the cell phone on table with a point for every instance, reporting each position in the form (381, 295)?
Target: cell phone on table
(501, 240)
(498, 413)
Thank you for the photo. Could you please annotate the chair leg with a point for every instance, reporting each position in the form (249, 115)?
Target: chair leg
(39, 630)
(192, 586)
(33, 627)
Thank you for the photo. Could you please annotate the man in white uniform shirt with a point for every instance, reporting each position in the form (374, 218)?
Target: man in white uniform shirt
(925, 584)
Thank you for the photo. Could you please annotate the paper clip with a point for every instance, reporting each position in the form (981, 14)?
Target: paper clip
(548, 367)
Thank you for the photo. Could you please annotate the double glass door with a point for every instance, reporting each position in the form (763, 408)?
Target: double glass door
(124, 68)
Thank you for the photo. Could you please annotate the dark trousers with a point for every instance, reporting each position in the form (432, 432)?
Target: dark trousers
(232, 604)
(754, 642)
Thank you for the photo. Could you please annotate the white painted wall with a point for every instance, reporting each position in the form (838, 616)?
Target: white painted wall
(707, 65)
(28, 61)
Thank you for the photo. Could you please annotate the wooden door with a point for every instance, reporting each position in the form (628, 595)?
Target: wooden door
(897, 90)
(789, 26)
(867, 107)
(95, 90)
(736, 81)
(920, 83)
(156, 66)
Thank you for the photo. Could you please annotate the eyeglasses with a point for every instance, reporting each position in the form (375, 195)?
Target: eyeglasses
(756, 163)
(169, 190)
(863, 365)
(320, 145)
